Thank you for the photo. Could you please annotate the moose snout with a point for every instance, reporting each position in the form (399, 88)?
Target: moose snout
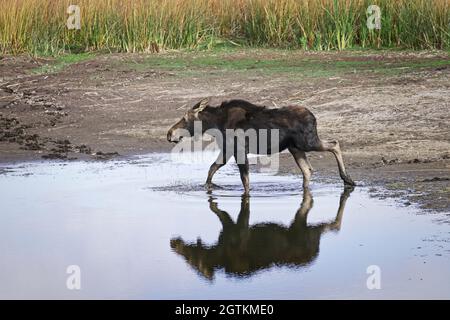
(171, 137)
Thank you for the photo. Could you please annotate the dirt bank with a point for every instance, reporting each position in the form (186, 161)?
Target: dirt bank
(390, 110)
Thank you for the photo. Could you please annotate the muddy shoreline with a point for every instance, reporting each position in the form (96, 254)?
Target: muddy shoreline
(388, 110)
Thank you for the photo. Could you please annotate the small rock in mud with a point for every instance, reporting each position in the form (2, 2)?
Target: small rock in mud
(54, 156)
(62, 146)
(82, 149)
(436, 179)
(105, 155)
(416, 160)
(388, 162)
(441, 68)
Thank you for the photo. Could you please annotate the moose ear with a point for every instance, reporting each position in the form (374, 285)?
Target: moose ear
(201, 105)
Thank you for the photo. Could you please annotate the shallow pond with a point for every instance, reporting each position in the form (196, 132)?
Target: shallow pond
(144, 228)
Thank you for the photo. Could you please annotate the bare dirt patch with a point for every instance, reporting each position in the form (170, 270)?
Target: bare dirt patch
(390, 110)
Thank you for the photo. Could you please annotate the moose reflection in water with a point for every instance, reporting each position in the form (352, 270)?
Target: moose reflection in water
(242, 250)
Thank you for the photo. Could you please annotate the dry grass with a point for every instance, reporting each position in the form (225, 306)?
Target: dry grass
(39, 26)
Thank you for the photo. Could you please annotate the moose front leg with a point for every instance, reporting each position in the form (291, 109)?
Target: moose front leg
(303, 164)
(219, 163)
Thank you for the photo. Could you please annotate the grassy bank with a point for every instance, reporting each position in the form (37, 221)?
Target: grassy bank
(289, 63)
(39, 26)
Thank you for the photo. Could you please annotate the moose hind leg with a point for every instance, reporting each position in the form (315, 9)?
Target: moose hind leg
(336, 224)
(303, 164)
(243, 170)
(333, 147)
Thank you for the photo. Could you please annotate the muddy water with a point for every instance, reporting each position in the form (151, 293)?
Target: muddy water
(145, 228)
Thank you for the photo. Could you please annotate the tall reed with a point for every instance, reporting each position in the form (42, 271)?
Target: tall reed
(39, 26)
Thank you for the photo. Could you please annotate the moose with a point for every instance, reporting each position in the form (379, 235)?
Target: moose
(295, 125)
(242, 250)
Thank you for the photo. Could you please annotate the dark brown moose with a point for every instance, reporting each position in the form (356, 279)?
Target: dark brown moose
(295, 126)
(242, 250)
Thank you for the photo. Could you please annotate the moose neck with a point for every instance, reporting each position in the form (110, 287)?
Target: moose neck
(210, 119)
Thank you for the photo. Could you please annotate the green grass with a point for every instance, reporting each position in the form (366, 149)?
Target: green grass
(413, 66)
(289, 63)
(61, 62)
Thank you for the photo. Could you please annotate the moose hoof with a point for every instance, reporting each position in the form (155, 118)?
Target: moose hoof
(211, 186)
